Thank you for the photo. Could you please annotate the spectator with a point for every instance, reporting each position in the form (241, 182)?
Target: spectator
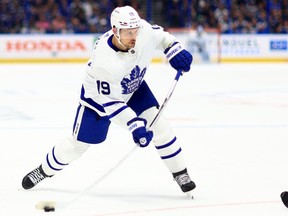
(58, 25)
(12, 16)
(42, 25)
(78, 27)
(262, 25)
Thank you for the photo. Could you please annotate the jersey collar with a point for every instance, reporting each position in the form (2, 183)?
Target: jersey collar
(112, 45)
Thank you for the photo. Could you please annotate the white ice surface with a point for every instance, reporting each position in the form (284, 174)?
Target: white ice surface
(232, 121)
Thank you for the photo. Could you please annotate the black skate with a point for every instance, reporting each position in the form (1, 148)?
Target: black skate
(284, 197)
(184, 181)
(33, 178)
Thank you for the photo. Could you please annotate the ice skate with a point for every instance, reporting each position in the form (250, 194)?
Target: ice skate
(284, 198)
(184, 181)
(33, 178)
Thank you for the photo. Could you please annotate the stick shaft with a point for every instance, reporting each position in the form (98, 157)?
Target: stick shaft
(164, 104)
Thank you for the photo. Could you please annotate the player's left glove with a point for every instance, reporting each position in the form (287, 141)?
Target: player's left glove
(178, 57)
(137, 126)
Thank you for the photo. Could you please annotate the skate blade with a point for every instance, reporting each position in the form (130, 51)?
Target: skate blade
(189, 194)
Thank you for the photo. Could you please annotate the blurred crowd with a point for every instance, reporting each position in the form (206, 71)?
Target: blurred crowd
(229, 16)
(90, 16)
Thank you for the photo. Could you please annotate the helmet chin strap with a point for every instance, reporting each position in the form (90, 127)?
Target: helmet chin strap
(119, 39)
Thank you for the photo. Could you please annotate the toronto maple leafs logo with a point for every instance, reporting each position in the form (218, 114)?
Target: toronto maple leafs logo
(131, 84)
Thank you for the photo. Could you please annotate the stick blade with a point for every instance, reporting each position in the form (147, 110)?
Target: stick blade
(42, 205)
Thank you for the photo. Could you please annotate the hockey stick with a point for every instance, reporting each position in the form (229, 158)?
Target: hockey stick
(52, 205)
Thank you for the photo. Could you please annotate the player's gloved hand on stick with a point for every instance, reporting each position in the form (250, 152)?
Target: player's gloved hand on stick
(137, 126)
(178, 57)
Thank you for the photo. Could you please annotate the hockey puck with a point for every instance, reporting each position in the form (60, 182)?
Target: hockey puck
(47, 206)
(284, 197)
(48, 209)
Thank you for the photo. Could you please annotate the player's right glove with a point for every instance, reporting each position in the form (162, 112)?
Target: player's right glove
(137, 126)
(178, 57)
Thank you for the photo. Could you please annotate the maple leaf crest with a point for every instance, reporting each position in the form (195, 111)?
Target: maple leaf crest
(131, 84)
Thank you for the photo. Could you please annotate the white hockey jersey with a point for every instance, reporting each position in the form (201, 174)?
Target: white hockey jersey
(113, 75)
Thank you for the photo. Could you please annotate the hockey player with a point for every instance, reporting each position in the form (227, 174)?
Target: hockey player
(196, 44)
(114, 90)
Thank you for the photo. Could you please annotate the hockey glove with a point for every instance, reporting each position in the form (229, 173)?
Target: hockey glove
(141, 136)
(178, 57)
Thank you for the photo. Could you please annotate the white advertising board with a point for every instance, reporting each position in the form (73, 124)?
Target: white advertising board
(77, 48)
(253, 47)
(212, 47)
(21, 48)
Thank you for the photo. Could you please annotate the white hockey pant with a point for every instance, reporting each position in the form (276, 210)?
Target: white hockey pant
(165, 141)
